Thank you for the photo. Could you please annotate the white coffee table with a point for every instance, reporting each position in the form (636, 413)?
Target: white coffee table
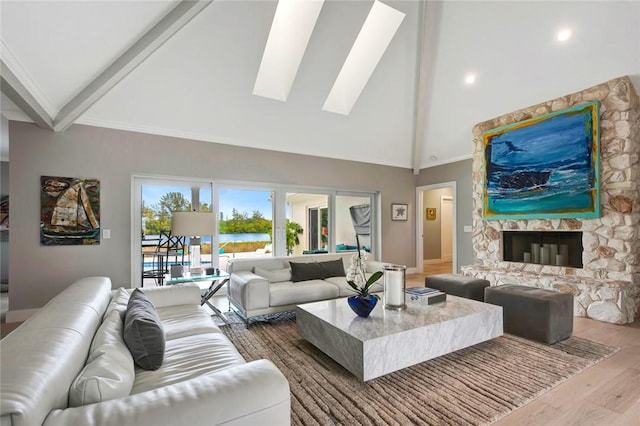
(387, 340)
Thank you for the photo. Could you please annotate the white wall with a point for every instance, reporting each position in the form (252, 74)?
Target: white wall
(38, 273)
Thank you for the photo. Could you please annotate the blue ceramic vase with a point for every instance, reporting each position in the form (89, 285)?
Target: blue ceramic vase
(362, 305)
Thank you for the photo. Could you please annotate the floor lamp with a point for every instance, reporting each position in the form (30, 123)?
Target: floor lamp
(193, 225)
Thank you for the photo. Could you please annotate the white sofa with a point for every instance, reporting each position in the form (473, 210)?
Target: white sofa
(70, 353)
(260, 286)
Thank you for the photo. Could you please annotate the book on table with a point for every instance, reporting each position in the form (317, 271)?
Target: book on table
(425, 295)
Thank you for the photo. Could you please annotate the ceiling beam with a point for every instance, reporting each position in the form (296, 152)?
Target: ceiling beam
(128, 61)
(430, 21)
(20, 95)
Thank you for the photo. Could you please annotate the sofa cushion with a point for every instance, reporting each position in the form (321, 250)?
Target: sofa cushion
(118, 301)
(109, 375)
(109, 372)
(290, 293)
(110, 333)
(143, 332)
(190, 357)
(316, 270)
(274, 276)
(346, 290)
(185, 320)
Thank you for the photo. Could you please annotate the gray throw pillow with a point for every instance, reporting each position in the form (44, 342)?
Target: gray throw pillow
(316, 270)
(143, 332)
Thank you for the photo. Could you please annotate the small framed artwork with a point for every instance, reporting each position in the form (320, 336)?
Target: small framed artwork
(431, 213)
(399, 211)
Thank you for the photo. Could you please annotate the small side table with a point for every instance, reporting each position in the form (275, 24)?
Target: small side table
(217, 281)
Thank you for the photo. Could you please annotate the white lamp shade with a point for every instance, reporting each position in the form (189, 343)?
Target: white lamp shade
(193, 223)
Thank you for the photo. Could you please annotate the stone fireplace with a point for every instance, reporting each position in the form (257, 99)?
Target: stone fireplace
(604, 276)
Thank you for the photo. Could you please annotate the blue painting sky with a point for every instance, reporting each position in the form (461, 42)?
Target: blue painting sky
(561, 140)
(241, 200)
(543, 169)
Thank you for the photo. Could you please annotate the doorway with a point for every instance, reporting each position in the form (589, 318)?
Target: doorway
(446, 226)
(436, 230)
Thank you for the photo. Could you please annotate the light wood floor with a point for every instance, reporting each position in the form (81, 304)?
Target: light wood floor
(607, 393)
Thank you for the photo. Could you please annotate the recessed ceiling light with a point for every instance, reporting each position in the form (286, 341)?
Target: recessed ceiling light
(564, 34)
(433, 157)
(470, 78)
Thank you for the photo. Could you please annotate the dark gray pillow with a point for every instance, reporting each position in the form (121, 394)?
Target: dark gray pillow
(143, 332)
(333, 268)
(316, 270)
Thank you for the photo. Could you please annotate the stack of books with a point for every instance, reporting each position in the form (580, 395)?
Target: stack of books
(425, 295)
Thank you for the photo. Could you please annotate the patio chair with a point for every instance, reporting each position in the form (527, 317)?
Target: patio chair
(168, 247)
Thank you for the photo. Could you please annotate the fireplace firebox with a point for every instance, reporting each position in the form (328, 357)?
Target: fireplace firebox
(556, 248)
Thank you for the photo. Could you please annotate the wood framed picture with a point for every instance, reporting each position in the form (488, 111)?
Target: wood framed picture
(431, 213)
(399, 211)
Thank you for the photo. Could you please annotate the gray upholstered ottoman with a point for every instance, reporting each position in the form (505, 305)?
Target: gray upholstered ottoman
(458, 285)
(533, 313)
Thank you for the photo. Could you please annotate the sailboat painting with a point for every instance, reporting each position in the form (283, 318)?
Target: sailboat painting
(545, 167)
(69, 211)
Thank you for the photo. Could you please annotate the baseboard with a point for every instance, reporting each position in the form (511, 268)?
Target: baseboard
(20, 315)
(433, 261)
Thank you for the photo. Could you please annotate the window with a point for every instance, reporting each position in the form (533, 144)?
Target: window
(256, 219)
(245, 223)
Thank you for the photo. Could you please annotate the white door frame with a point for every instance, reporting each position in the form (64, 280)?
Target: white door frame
(444, 198)
(420, 223)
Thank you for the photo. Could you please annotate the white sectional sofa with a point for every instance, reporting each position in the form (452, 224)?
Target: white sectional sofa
(260, 286)
(69, 365)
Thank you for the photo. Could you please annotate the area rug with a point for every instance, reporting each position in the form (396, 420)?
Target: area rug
(474, 386)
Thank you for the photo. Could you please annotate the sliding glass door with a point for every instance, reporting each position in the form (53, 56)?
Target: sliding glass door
(245, 225)
(354, 222)
(154, 202)
(253, 220)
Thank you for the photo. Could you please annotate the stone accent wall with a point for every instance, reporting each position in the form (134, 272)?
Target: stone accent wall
(607, 288)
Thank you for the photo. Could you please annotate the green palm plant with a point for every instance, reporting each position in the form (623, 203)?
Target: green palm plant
(294, 230)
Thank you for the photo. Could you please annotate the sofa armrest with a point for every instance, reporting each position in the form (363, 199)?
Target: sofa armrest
(252, 393)
(179, 294)
(250, 290)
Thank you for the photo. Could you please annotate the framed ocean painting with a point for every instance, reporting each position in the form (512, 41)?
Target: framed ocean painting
(544, 167)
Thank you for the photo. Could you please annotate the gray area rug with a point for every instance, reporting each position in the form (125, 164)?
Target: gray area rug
(473, 386)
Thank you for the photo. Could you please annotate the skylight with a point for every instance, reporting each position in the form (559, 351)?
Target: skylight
(290, 32)
(374, 38)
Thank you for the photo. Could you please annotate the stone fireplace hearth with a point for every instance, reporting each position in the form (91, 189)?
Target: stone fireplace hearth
(607, 285)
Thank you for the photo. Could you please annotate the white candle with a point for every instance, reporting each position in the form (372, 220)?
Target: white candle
(535, 252)
(564, 251)
(394, 287)
(553, 252)
(527, 257)
(544, 255)
(394, 293)
(560, 260)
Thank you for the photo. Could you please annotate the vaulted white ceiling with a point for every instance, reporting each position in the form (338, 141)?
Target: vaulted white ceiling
(415, 111)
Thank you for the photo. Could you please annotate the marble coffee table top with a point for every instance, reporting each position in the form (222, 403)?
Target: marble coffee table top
(388, 340)
(382, 322)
